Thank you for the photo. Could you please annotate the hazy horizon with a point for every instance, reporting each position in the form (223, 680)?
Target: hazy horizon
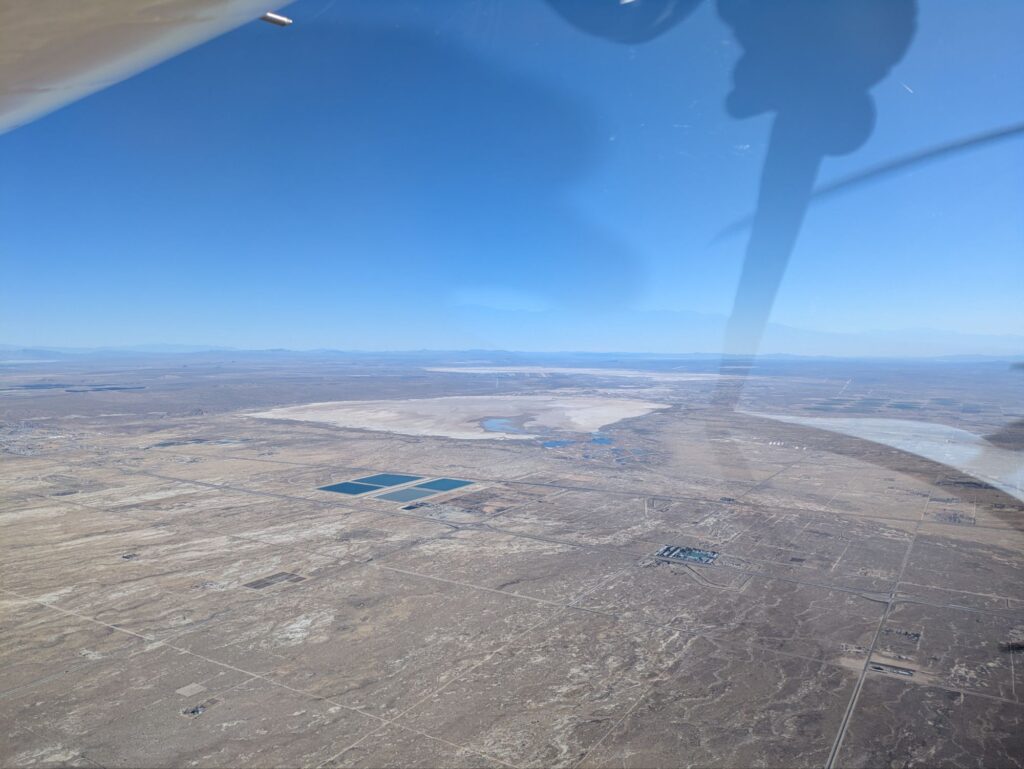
(635, 333)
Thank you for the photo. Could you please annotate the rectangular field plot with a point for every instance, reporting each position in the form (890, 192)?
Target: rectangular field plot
(273, 579)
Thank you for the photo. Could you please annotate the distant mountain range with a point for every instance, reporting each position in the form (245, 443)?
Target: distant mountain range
(625, 333)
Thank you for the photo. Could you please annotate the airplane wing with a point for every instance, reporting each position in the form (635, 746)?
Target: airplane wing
(53, 52)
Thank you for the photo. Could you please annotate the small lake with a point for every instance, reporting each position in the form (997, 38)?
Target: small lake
(502, 425)
(596, 438)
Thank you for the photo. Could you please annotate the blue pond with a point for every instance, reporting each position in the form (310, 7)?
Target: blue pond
(406, 495)
(443, 484)
(501, 425)
(388, 479)
(598, 439)
(350, 488)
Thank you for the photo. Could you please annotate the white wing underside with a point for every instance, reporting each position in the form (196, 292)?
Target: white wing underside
(53, 52)
(970, 454)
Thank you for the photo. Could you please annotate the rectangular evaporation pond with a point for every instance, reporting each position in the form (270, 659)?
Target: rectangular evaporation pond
(350, 488)
(388, 479)
(405, 495)
(443, 484)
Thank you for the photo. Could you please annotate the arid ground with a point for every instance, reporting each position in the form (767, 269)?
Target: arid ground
(300, 560)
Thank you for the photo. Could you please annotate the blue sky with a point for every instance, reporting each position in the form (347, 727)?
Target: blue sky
(474, 173)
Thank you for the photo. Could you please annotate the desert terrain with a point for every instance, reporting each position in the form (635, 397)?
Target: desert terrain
(277, 559)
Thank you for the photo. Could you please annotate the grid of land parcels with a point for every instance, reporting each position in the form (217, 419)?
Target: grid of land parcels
(179, 589)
